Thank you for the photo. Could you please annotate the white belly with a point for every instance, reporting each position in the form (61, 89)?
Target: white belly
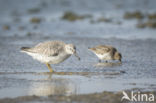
(49, 59)
(105, 56)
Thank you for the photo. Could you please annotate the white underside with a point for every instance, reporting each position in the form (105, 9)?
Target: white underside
(49, 59)
(105, 56)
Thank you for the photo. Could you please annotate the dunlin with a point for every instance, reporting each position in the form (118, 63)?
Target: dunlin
(51, 52)
(106, 52)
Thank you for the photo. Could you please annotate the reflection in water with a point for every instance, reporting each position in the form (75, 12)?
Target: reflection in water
(108, 64)
(84, 74)
(69, 83)
(53, 86)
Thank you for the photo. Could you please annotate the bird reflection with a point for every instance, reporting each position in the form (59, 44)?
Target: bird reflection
(53, 86)
(108, 64)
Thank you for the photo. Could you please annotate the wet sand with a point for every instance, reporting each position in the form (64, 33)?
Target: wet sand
(104, 97)
(26, 23)
(26, 80)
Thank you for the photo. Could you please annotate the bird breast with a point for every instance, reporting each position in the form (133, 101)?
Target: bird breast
(105, 56)
(58, 59)
(50, 59)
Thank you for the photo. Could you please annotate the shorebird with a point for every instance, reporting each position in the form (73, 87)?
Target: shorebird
(51, 52)
(106, 52)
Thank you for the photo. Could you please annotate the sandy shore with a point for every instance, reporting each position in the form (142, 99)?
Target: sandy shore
(27, 80)
(104, 97)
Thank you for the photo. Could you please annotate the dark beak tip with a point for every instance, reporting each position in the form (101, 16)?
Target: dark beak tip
(77, 56)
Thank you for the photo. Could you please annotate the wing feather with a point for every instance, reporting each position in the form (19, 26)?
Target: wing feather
(101, 49)
(50, 48)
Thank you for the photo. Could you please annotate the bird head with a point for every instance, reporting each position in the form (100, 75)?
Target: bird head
(71, 49)
(118, 56)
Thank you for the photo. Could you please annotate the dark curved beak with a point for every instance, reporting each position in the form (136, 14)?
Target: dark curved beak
(77, 56)
(120, 60)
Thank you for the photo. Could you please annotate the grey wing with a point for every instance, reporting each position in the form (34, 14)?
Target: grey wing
(55, 50)
(48, 48)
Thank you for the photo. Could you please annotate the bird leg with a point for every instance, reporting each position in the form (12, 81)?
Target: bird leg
(99, 61)
(49, 67)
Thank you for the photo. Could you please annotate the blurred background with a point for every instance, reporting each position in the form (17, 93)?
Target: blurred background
(128, 19)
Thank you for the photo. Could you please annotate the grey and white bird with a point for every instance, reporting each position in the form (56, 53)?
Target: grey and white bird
(51, 52)
(106, 52)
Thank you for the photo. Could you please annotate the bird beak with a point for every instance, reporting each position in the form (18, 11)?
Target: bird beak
(77, 56)
(120, 60)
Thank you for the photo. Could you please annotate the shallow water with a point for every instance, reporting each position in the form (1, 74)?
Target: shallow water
(45, 84)
(20, 75)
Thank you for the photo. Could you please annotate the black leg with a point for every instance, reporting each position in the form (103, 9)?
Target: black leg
(99, 61)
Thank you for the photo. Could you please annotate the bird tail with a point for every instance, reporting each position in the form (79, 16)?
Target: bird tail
(89, 48)
(25, 49)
